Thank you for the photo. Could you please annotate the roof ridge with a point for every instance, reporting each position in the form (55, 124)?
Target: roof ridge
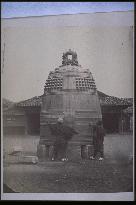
(104, 100)
(29, 99)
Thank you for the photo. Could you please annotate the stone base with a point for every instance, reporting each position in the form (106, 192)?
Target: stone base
(74, 151)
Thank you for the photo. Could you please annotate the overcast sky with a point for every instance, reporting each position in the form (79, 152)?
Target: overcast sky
(34, 46)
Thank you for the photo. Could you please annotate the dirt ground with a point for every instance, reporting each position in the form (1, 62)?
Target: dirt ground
(114, 174)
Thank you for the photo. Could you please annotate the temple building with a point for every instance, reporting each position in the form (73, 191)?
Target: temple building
(69, 91)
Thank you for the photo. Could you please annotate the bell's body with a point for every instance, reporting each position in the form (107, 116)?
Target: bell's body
(70, 92)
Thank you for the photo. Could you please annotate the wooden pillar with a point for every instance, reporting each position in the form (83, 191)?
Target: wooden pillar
(26, 124)
(83, 151)
(121, 126)
(131, 123)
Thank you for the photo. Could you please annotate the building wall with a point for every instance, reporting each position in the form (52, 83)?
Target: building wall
(14, 122)
(28, 121)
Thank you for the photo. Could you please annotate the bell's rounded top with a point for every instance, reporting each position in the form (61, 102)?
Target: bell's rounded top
(80, 79)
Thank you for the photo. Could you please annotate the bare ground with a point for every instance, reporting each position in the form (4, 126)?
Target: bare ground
(114, 174)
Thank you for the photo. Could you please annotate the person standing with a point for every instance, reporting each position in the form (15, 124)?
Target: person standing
(98, 140)
(63, 134)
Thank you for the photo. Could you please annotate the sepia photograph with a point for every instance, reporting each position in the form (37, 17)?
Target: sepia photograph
(67, 101)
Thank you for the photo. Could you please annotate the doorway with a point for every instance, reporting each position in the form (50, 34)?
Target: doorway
(33, 123)
(111, 122)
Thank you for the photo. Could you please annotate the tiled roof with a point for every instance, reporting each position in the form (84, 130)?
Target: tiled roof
(104, 100)
(128, 100)
(128, 110)
(111, 100)
(35, 101)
